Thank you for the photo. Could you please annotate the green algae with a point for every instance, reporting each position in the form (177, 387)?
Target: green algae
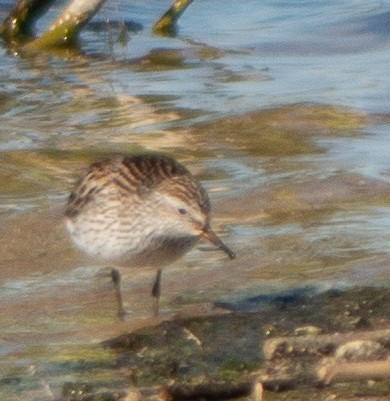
(283, 131)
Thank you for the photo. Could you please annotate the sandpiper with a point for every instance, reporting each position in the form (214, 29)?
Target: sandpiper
(144, 210)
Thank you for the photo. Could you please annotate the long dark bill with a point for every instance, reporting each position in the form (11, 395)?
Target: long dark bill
(214, 239)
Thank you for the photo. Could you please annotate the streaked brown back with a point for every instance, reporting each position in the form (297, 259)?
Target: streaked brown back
(136, 175)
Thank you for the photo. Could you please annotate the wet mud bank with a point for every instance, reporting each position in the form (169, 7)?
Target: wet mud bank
(297, 345)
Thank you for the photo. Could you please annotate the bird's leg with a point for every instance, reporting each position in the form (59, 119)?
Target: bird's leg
(156, 292)
(116, 279)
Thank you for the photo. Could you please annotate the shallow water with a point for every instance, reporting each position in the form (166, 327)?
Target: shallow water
(280, 108)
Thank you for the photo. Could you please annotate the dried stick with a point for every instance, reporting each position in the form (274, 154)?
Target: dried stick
(335, 371)
(319, 344)
(167, 23)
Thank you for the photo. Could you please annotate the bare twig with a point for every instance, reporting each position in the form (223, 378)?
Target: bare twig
(19, 25)
(65, 29)
(167, 23)
(319, 344)
(335, 371)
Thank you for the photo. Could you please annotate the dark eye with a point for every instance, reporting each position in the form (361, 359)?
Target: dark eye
(182, 211)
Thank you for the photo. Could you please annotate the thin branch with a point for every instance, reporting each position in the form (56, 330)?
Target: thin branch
(338, 372)
(19, 25)
(66, 28)
(167, 23)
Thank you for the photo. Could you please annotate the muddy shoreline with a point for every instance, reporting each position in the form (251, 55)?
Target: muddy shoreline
(297, 347)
